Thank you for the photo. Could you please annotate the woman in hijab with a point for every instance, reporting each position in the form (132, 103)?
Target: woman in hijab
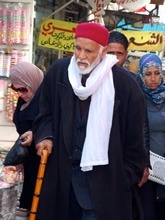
(26, 79)
(150, 71)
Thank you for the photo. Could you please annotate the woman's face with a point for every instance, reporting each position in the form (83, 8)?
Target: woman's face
(23, 91)
(152, 77)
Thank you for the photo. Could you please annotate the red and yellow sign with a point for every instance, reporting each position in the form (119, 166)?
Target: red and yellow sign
(57, 34)
(143, 40)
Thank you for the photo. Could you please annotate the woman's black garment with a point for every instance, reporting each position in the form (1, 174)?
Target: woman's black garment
(23, 121)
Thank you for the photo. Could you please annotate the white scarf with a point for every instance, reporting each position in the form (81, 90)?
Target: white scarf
(99, 86)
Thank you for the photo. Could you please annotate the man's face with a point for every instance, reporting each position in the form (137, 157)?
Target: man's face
(88, 54)
(119, 51)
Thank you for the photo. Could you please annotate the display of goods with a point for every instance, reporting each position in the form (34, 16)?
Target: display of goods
(15, 23)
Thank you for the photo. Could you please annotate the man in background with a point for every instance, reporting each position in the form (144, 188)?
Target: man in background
(118, 46)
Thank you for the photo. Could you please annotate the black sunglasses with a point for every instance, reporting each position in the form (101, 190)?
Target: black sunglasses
(21, 89)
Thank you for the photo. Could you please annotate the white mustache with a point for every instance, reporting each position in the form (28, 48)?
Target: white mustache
(84, 61)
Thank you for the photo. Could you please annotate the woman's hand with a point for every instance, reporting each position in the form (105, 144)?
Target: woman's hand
(27, 138)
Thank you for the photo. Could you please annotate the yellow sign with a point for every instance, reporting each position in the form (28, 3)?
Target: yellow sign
(57, 34)
(142, 40)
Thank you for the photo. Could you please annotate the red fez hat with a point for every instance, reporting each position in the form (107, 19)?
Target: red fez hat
(93, 31)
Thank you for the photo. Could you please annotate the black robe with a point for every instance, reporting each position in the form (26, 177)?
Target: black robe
(23, 121)
(111, 185)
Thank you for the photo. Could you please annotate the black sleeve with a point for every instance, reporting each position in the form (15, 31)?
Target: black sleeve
(146, 127)
(146, 136)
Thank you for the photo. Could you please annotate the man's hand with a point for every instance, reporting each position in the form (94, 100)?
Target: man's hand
(144, 177)
(44, 144)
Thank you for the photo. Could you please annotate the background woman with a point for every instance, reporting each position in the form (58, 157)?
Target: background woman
(26, 79)
(150, 71)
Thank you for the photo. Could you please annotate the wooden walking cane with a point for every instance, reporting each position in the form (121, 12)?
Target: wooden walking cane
(40, 176)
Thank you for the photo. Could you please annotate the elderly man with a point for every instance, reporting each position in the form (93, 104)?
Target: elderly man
(91, 122)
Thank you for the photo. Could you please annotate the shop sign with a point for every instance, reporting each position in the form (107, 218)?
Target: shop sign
(57, 34)
(144, 41)
(157, 2)
(98, 8)
(132, 5)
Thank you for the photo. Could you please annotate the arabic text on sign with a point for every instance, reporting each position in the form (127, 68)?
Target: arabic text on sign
(57, 44)
(125, 1)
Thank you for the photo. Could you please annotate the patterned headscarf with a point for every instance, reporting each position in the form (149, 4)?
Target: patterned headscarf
(156, 95)
(27, 74)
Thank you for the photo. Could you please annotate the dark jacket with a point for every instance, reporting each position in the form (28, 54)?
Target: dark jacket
(23, 121)
(111, 185)
(146, 122)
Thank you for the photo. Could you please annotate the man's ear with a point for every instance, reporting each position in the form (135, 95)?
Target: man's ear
(127, 54)
(104, 52)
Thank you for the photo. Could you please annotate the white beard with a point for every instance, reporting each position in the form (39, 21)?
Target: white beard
(82, 70)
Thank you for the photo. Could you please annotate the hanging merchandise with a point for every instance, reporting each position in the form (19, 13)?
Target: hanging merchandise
(9, 25)
(15, 23)
(25, 25)
(22, 56)
(11, 102)
(8, 58)
(6, 63)
(1, 62)
(2, 95)
(3, 23)
(18, 56)
(5, 59)
(14, 58)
